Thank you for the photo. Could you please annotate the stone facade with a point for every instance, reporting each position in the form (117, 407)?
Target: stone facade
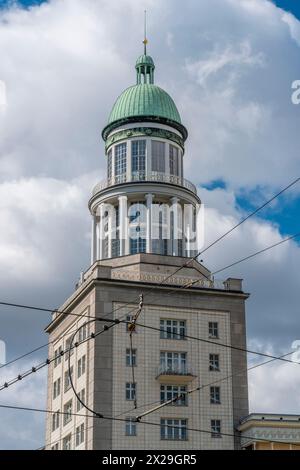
(106, 374)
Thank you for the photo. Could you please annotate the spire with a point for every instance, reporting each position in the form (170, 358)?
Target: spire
(144, 64)
(145, 41)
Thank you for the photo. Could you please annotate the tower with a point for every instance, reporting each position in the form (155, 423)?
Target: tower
(145, 205)
(144, 229)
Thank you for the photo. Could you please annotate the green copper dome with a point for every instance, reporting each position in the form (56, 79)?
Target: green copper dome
(144, 102)
(144, 60)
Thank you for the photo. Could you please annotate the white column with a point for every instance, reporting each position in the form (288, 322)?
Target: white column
(100, 232)
(149, 200)
(188, 227)
(174, 210)
(110, 227)
(123, 224)
(94, 240)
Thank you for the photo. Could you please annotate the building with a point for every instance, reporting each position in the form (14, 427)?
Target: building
(144, 218)
(261, 431)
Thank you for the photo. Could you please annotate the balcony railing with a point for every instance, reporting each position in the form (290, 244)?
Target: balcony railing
(153, 176)
(170, 374)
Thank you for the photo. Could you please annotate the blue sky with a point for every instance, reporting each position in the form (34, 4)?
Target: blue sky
(289, 5)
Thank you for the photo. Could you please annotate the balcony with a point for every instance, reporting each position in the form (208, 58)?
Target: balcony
(153, 176)
(181, 374)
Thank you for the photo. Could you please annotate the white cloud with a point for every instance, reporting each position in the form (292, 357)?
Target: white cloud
(232, 57)
(293, 25)
(63, 64)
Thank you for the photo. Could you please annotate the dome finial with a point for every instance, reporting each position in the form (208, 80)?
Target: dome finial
(145, 41)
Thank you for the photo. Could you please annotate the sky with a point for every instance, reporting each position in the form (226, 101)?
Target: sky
(229, 65)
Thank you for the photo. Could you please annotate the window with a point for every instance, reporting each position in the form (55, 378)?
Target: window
(68, 412)
(55, 420)
(120, 162)
(57, 355)
(138, 154)
(115, 244)
(215, 428)
(214, 363)
(174, 429)
(137, 245)
(173, 362)
(172, 329)
(81, 366)
(67, 347)
(82, 333)
(130, 357)
(158, 156)
(168, 392)
(79, 436)
(213, 330)
(130, 427)
(109, 165)
(81, 395)
(215, 397)
(67, 442)
(130, 391)
(55, 447)
(67, 379)
(173, 156)
(56, 388)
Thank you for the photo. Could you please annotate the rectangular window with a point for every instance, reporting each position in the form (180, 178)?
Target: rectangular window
(120, 163)
(68, 412)
(215, 428)
(130, 391)
(215, 396)
(81, 365)
(130, 427)
(172, 329)
(169, 392)
(131, 357)
(67, 442)
(138, 158)
(81, 395)
(214, 363)
(67, 348)
(109, 165)
(58, 356)
(213, 330)
(137, 245)
(173, 362)
(67, 379)
(79, 435)
(56, 388)
(173, 156)
(158, 156)
(82, 333)
(173, 429)
(55, 420)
